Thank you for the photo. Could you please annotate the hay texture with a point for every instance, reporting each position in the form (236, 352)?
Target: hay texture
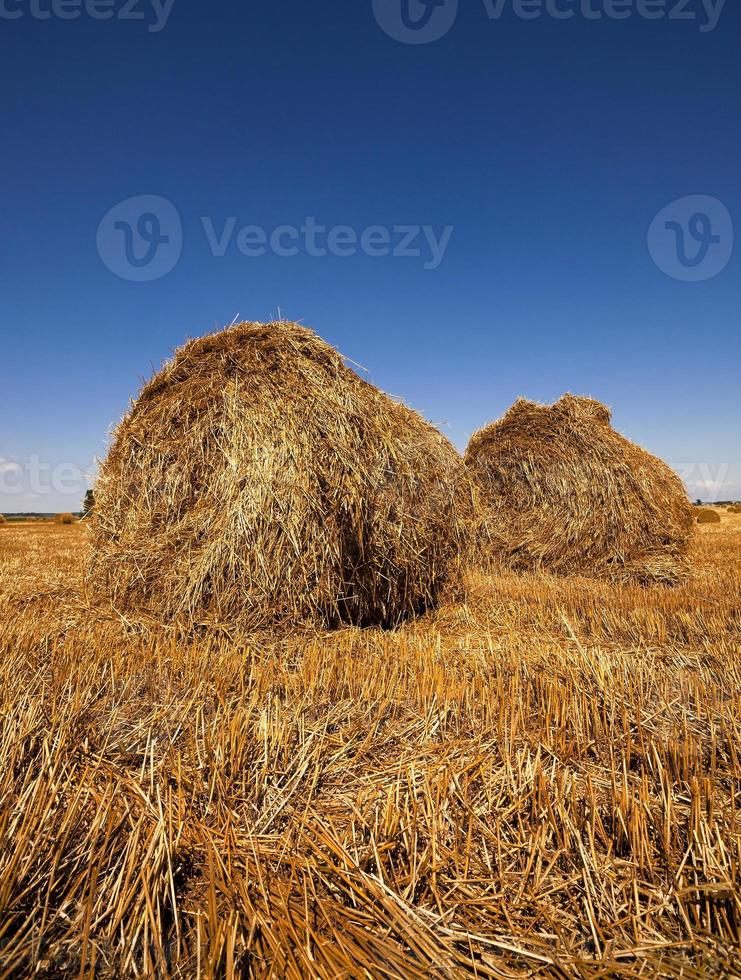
(564, 492)
(259, 480)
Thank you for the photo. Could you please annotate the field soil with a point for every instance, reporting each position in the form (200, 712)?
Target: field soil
(542, 778)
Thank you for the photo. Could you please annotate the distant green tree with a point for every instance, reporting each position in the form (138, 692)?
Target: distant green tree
(88, 502)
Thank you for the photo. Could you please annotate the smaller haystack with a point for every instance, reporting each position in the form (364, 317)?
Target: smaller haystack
(706, 515)
(258, 480)
(564, 492)
(65, 519)
(3, 519)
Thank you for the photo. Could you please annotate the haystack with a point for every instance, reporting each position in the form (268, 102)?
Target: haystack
(564, 492)
(65, 519)
(259, 480)
(706, 515)
(3, 519)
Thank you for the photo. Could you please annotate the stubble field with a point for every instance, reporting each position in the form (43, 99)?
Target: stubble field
(541, 778)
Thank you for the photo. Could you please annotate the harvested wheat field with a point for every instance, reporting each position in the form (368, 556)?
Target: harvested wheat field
(564, 492)
(259, 480)
(541, 778)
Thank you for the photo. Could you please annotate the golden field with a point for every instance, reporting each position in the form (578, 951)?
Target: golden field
(543, 778)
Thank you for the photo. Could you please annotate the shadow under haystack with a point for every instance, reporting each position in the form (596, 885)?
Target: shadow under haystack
(258, 480)
(563, 492)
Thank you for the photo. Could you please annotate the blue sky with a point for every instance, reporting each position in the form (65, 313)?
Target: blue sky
(520, 163)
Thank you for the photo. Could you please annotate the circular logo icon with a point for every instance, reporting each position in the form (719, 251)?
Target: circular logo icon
(692, 239)
(141, 238)
(415, 21)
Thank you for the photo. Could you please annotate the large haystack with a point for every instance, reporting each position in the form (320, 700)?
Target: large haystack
(257, 480)
(566, 493)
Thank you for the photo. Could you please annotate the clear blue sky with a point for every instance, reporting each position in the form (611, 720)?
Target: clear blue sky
(548, 146)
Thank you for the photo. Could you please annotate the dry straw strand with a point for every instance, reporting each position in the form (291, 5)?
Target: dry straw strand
(258, 480)
(564, 492)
